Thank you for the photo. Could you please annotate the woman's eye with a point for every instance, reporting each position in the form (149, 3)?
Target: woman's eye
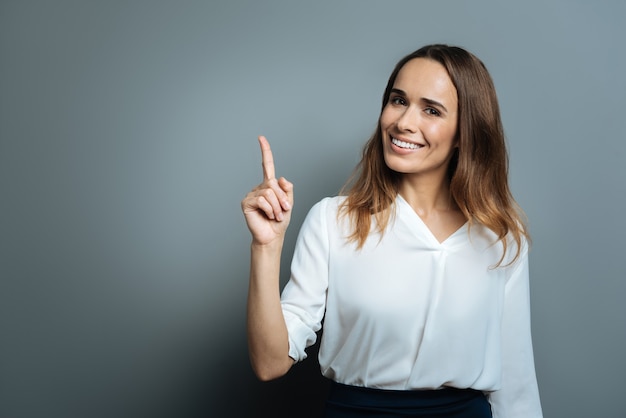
(398, 101)
(432, 111)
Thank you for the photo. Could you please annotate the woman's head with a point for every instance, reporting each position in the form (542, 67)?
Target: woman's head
(480, 135)
(419, 122)
(477, 169)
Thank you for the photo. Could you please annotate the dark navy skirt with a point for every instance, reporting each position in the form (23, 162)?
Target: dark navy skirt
(351, 402)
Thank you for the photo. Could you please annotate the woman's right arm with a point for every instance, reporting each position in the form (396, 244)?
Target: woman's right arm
(267, 210)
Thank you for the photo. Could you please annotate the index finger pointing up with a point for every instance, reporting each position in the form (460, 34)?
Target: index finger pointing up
(268, 159)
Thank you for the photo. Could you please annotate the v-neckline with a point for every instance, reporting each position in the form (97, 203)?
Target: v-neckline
(431, 236)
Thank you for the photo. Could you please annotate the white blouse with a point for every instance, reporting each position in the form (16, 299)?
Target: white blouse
(408, 312)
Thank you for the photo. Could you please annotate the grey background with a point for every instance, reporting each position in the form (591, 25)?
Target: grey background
(128, 138)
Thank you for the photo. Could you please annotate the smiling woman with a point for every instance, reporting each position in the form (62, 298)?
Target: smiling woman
(419, 131)
(419, 272)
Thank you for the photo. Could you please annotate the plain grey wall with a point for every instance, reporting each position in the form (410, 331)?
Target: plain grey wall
(128, 138)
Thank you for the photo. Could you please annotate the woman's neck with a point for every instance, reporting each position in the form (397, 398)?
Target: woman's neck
(427, 197)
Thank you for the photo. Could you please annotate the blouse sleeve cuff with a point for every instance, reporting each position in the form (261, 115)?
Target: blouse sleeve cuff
(301, 336)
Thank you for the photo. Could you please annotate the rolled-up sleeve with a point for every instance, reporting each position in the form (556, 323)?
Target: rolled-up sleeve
(303, 298)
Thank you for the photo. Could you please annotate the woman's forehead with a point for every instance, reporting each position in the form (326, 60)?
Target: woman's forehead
(423, 77)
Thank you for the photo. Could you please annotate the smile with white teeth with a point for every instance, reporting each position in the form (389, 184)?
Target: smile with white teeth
(402, 144)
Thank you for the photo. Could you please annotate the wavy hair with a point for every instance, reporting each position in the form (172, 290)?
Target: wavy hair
(478, 170)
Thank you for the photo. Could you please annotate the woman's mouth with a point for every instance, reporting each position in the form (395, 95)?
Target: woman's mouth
(403, 144)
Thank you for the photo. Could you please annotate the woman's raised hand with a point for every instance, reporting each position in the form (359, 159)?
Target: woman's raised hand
(267, 208)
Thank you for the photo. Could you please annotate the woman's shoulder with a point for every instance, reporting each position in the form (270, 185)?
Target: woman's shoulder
(508, 249)
(328, 204)
(324, 214)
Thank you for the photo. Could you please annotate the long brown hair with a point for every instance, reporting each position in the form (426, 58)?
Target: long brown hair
(478, 170)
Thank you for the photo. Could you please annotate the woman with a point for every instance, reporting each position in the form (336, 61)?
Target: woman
(419, 273)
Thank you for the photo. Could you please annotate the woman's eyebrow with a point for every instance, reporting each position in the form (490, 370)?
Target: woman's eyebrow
(434, 103)
(426, 100)
(398, 91)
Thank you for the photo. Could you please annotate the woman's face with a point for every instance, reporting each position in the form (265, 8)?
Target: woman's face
(419, 122)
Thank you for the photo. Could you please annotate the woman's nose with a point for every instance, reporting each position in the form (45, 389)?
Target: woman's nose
(408, 120)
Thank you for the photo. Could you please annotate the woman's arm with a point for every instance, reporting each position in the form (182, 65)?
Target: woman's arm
(519, 395)
(267, 210)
